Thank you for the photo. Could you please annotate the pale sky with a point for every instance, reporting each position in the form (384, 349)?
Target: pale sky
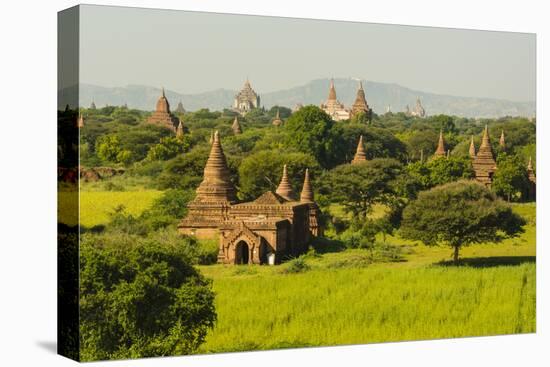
(192, 52)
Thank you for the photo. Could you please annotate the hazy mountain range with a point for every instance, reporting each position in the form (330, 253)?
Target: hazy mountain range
(379, 96)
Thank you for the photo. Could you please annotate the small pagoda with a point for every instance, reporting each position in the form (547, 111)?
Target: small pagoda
(360, 154)
(236, 127)
(360, 105)
(277, 120)
(162, 116)
(484, 163)
(440, 152)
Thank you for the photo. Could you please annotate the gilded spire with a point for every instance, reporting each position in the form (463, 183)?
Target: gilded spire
(216, 185)
(284, 189)
(530, 165)
(472, 148)
(501, 141)
(332, 91)
(360, 154)
(440, 151)
(179, 130)
(307, 192)
(236, 127)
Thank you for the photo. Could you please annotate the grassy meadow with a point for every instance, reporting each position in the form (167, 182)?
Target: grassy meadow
(342, 299)
(95, 206)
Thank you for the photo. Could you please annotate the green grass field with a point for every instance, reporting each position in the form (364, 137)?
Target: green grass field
(260, 307)
(95, 206)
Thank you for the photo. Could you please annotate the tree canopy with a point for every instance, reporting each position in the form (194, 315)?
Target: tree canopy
(459, 214)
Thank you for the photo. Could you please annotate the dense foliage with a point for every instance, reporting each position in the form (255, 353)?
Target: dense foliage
(459, 214)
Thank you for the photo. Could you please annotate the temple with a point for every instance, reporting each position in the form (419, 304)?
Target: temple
(417, 111)
(360, 154)
(162, 116)
(333, 107)
(440, 151)
(179, 108)
(92, 106)
(484, 163)
(277, 120)
(236, 127)
(246, 99)
(262, 231)
(360, 105)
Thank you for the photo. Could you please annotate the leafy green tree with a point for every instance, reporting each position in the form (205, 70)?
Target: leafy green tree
(357, 187)
(109, 150)
(361, 118)
(309, 131)
(141, 300)
(260, 172)
(510, 180)
(444, 122)
(284, 112)
(459, 214)
(444, 170)
(168, 148)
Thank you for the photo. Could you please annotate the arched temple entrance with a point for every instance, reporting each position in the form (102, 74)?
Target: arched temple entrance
(265, 251)
(242, 253)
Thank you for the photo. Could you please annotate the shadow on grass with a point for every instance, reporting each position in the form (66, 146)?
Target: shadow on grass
(323, 245)
(487, 262)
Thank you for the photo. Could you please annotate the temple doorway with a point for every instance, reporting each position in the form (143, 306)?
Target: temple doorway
(265, 251)
(242, 253)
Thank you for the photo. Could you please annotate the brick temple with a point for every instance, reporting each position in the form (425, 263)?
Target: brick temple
(162, 115)
(261, 231)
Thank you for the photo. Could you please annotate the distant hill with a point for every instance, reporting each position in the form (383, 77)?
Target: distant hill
(379, 95)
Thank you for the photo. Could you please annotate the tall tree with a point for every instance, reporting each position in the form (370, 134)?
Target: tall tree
(459, 214)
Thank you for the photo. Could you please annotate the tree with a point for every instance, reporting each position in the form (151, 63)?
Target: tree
(168, 148)
(260, 172)
(459, 214)
(141, 300)
(359, 186)
(510, 179)
(109, 150)
(309, 131)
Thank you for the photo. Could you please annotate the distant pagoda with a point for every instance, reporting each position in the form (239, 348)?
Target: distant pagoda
(440, 151)
(246, 100)
(179, 130)
(360, 154)
(484, 163)
(333, 107)
(360, 105)
(162, 115)
(236, 127)
(418, 110)
(179, 108)
(277, 120)
(502, 141)
(92, 106)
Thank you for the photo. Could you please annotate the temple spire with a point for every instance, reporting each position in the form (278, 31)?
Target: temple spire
(277, 120)
(307, 192)
(485, 142)
(179, 130)
(530, 165)
(502, 141)
(163, 95)
(472, 148)
(440, 151)
(236, 127)
(332, 91)
(216, 185)
(360, 154)
(284, 189)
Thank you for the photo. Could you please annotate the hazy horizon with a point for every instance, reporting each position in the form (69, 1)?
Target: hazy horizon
(194, 52)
